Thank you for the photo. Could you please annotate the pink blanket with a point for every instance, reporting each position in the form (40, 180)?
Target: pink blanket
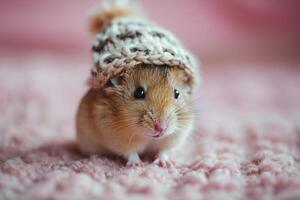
(246, 144)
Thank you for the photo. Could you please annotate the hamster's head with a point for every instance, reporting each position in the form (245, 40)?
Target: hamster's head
(152, 101)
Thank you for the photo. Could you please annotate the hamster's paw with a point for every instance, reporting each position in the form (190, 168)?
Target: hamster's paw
(163, 163)
(162, 160)
(135, 164)
(134, 160)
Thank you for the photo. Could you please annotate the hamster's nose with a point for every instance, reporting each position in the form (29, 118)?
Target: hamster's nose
(160, 126)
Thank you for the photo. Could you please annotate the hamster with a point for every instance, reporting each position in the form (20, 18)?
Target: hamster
(147, 108)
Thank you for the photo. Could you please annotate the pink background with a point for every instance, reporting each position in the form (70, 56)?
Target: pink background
(214, 30)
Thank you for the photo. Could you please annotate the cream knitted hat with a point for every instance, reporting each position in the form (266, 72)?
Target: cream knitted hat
(123, 41)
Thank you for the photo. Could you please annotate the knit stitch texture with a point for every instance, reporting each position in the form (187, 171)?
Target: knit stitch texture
(126, 42)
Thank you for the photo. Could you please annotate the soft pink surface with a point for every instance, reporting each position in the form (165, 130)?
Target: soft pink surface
(246, 144)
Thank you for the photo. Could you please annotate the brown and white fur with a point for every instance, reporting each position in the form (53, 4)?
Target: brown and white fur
(112, 120)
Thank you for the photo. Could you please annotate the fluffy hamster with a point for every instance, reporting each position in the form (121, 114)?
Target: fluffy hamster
(147, 108)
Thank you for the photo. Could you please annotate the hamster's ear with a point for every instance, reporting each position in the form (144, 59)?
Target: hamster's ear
(187, 88)
(112, 85)
(185, 84)
(114, 81)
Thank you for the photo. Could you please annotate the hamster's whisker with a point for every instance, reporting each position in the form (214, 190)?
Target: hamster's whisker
(185, 115)
(130, 139)
(184, 119)
(181, 128)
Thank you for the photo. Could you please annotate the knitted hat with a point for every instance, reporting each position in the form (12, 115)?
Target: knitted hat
(124, 42)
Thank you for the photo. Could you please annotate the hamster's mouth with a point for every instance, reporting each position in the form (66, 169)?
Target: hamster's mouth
(158, 135)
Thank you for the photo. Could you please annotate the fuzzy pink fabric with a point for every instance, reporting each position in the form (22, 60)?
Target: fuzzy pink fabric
(246, 144)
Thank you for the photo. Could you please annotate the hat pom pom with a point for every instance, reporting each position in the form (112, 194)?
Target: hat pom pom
(109, 10)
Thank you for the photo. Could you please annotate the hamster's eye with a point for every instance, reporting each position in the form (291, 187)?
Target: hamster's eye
(176, 94)
(139, 93)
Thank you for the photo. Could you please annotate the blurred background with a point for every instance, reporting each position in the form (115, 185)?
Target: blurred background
(216, 31)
